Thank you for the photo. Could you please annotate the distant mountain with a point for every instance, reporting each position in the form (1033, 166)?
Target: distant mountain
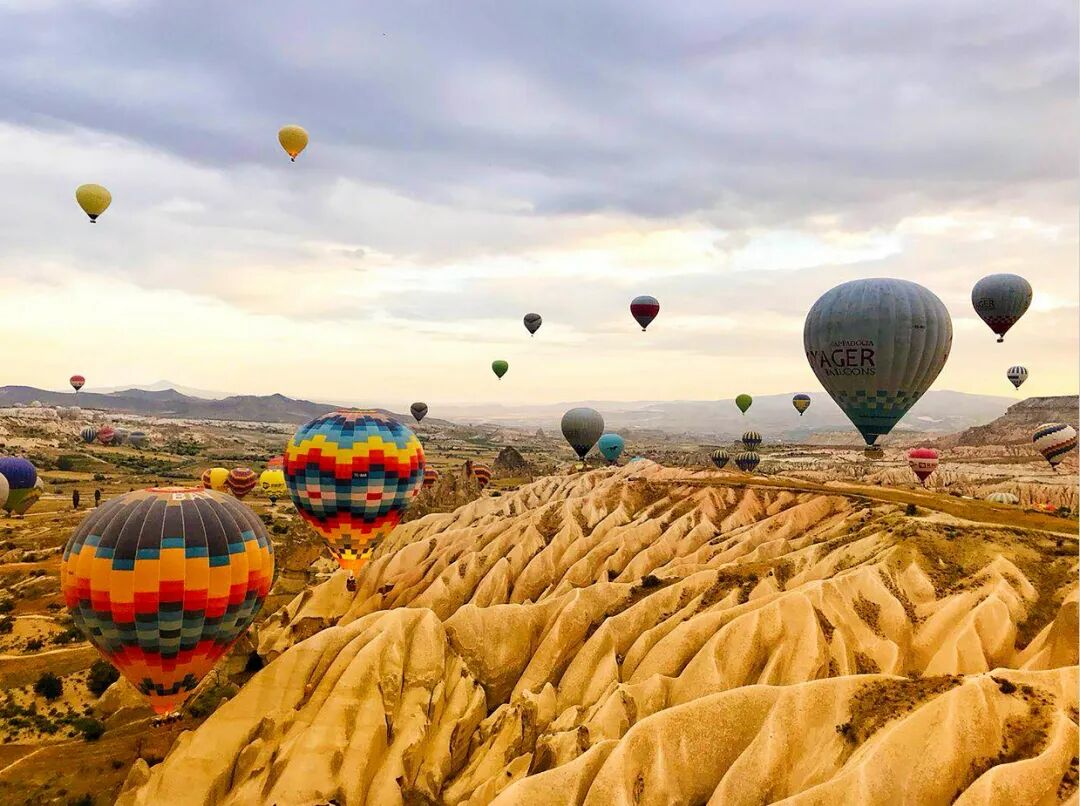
(164, 386)
(1016, 426)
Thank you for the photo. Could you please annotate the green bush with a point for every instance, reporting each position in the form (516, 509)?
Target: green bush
(66, 462)
(49, 686)
(7, 624)
(34, 645)
(99, 477)
(207, 701)
(102, 675)
(90, 728)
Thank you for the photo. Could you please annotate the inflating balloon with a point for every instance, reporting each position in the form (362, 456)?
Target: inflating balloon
(93, 199)
(293, 139)
(719, 457)
(499, 367)
(1017, 376)
(533, 322)
(120, 436)
(419, 410)
(88, 434)
(751, 439)
(644, 309)
(876, 346)
(241, 481)
(21, 477)
(923, 462)
(482, 474)
(431, 475)
(106, 434)
(610, 447)
(582, 427)
(4, 490)
(1053, 441)
(77, 382)
(1000, 300)
(747, 462)
(138, 439)
(1002, 498)
(744, 402)
(163, 581)
(801, 403)
(351, 475)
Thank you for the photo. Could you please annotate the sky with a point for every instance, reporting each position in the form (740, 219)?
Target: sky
(472, 162)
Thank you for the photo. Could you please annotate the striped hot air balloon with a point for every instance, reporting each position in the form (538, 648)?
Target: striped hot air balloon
(644, 309)
(163, 581)
(215, 478)
(241, 481)
(747, 461)
(77, 382)
(106, 434)
(482, 474)
(801, 403)
(351, 475)
(751, 439)
(923, 462)
(431, 475)
(88, 434)
(1002, 498)
(21, 477)
(1017, 375)
(719, 457)
(1053, 441)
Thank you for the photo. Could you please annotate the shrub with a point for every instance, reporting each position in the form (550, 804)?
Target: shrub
(207, 701)
(34, 644)
(90, 728)
(6, 625)
(102, 675)
(99, 477)
(82, 800)
(66, 463)
(911, 510)
(49, 686)
(7, 605)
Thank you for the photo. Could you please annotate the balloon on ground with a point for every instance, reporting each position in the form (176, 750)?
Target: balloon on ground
(163, 581)
(88, 434)
(611, 447)
(106, 434)
(923, 462)
(582, 427)
(876, 346)
(1000, 300)
(1002, 498)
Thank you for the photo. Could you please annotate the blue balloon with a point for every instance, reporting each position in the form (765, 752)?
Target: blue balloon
(611, 446)
(19, 473)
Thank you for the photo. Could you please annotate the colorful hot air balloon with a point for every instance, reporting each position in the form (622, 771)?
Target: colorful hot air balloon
(241, 481)
(610, 447)
(138, 439)
(93, 199)
(431, 475)
(22, 503)
(582, 427)
(1053, 441)
(4, 490)
(801, 403)
(1017, 376)
(163, 581)
(419, 410)
(533, 322)
(1000, 300)
(272, 484)
(923, 462)
(352, 474)
(744, 402)
(644, 309)
(876, 346)
(88, 434)
(499, 367)
(106, 434)
(719, 458)
(21, 478)
(747, 462)
(482, 474)
(77, 382)
(275, 463)
(751, 439)
(1002, 498)
(216, 478)
(293, 139)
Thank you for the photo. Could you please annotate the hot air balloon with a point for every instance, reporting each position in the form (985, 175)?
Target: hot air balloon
(801, 403)
(744, 402)
(77, 382)
(21, 476)
(241, 481)
(533, 322)
(138, 439)
(293, 139)
(644, 309)
(276, 463)
(1000, 300)
(611, 447)
(352, 474)
(751, 439)
(874, 452)
(482, 474)
(419, 410)
(431, 475)
(272, 484)
(499, 367)
(93, 199)
(215, 478)
(120, 436)
(163, 581)
(747, 462)
(1002, 498)
(1053, 441)
(88, 434)
(719, 458)
(1017, 376)
(4, 490)
(876, 346)
(19, 504)
(582, 427)
(106, 434)
(923, 462)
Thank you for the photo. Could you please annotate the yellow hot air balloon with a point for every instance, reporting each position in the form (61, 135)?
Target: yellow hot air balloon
(293, 139)
(93, 199)
(214, 479)
(272, 483)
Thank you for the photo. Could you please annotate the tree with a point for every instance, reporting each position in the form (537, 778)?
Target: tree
(49, 686)
(102, 675)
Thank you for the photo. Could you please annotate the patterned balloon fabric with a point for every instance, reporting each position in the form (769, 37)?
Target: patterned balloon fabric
(241, 481)
(351, 475)
(163, 581)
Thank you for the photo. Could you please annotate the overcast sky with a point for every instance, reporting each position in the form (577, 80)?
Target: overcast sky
(471, 162)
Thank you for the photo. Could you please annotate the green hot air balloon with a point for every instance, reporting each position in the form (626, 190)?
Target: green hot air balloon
(743, 402)
(876, 346)
(582, 427)
(499, 367)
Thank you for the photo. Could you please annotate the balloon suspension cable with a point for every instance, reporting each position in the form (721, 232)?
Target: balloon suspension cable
(292, 159)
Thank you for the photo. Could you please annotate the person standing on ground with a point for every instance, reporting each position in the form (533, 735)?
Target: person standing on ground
(74, 499)
(97, 498)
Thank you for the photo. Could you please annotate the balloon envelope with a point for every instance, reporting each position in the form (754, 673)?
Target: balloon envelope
(923, 462)
(582, 427)
(801, 403)
(241, 481)
(272, 483)
(1000, 300)
(533, 322)
(876, 346)
(644, 309)
(1017, 375)
(747, 462)
(93, 199)
(751, 439)
(499, 367)
(1002, 498)
(431, 475)
(719, 457)
(419, 410)
(88, 434)
(216, 478)
(1054, 440)
(163, 581)
(293, 139)
(106, 434)
(744, 402)
(351, 475)
(4, 490)
(611, 447)
(77, 382)
(137, 439)
(482, 474)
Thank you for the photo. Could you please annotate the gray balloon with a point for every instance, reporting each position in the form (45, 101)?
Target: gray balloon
(876, 346)
(582, 427)
(533, 322)
(1000, 300)
(419, 410)
(138, 439)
